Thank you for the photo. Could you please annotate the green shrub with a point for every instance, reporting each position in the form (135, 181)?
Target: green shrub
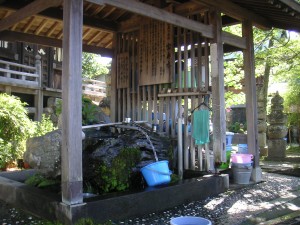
(117, 176)
(42, 127)
(40, 181)
(89, 111)
(15, 128)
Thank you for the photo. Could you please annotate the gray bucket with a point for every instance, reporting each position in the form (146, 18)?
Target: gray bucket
(241, 174)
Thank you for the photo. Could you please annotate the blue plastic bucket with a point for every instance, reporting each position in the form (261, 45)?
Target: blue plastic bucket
(190, 220)
(228, 148)
(243, 148)
(229, 136)
(157, 173)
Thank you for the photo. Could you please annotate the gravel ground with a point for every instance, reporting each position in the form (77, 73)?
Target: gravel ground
(231, 207)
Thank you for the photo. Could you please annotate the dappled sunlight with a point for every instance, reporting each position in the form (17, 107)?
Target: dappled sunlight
(214, 203)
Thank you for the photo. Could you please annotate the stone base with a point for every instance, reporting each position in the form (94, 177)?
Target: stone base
(263, 151)
(276, 149)
(256, 175)
(262, 139)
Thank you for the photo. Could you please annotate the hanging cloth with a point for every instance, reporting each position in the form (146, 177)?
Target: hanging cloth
(201, 126)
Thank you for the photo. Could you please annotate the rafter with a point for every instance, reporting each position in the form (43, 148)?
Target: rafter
(40, 27)
(51, 29)
(237, 12)
(27, 11)
(28, 25)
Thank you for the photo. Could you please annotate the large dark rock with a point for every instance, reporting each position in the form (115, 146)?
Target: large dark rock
(43, 153)
(99, 147)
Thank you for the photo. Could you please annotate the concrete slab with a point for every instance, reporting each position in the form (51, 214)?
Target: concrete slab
(102, 208)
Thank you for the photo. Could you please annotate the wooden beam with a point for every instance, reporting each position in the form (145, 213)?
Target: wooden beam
(71, 154)
(234, 40)
(237, 12)
(159, 14)
(292, 4)
(29, 10)
(21, 37)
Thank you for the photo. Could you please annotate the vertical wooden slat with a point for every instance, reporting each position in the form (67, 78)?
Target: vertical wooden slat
(124, 103)
(168, 117)
(139, 105)
(150, 104)
(133, 89)
(174, 116)
(192, 60)
(161, 109)
(155, 104)
(119, 104)
(144, 104)
(186, 88)
(128, 89)
(71, 155)
(206, 54)
(199, 63)
(192, 143)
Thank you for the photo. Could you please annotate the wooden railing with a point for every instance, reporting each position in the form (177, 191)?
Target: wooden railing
(17, 74)
(94, 88)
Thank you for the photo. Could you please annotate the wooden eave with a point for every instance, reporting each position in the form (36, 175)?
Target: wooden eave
(102, 18)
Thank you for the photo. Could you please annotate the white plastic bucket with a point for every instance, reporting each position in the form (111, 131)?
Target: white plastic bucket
(190, 220)
(241, 158)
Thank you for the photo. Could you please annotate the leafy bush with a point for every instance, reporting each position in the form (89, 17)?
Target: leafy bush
(117, 176)
(42, 127)
(238, 128)
(40, 181)
(15, 128)
(88, 111)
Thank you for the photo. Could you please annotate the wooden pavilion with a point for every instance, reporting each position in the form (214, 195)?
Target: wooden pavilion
(167, 56)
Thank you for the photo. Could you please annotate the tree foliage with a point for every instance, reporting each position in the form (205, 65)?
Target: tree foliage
(91, 67)
(276, 57)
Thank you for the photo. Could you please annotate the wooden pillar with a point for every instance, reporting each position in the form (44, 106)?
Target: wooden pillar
(38, 99)
(71, 156)
(218, 100)
(251, 103)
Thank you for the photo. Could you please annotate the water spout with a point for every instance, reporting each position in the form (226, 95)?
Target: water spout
(140, 129)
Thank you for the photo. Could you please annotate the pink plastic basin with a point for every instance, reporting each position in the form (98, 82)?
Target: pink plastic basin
(241, 158)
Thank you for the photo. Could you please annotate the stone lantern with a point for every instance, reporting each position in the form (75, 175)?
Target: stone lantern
(277, 129)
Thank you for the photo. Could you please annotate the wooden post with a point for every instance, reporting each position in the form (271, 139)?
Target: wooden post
(38, 99)
(218, 101)
(71, 156)
(251, 109)
(180, 151)
(8, 75)
(113, 89)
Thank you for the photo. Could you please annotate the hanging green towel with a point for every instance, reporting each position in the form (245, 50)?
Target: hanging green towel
(201, 127)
